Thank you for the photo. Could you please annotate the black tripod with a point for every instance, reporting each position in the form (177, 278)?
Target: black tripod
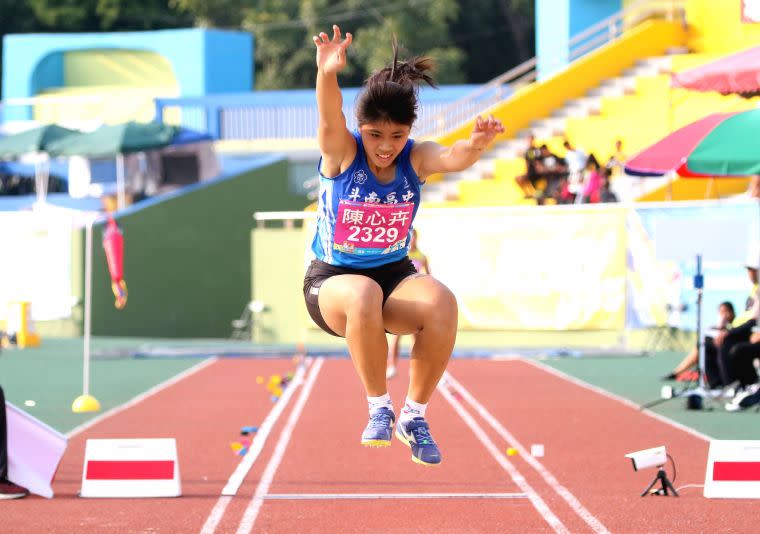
(662, 477)
(700, 389)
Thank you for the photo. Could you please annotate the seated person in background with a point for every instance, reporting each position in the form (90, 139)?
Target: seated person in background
(576, 162)
(592, 180)
(738, 353)
(726, 316)
(743, 356)
(605, 194)
(727, 339)
(554, 170)
(528, 180)
(617, 161)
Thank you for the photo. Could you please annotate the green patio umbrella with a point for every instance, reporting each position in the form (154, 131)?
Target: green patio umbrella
(722, 144)
(116, 140)
(35, 141)
(732, 148)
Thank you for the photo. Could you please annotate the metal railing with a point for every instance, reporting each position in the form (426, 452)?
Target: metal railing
(463, 110)
(487, 95)
(612, 27)
(291, 122)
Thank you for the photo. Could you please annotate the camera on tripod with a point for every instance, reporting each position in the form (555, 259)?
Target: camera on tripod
(654, 457)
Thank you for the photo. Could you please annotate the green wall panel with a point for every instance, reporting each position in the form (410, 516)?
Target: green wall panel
(187, 259)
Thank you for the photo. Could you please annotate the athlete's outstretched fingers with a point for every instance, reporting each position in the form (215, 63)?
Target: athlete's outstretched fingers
(336, 33)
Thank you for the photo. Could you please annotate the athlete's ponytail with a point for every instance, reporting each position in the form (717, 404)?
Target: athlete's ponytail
(390, 94)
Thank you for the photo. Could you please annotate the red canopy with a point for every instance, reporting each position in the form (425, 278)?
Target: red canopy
(737, 73)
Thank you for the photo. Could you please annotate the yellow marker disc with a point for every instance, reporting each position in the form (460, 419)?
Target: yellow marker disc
(511, 452)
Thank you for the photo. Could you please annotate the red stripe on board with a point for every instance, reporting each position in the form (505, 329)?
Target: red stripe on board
(736, 471)
(130, 470)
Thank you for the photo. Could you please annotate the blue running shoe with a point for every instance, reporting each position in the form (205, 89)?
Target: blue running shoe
(415, 434)
(379, 429)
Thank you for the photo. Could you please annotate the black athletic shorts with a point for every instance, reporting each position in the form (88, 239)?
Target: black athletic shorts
(387, 276)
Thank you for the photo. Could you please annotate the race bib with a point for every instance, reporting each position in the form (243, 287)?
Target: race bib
(364, 228)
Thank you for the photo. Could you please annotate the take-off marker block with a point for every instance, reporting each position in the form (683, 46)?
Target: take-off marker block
(130, 468)
(733, 470)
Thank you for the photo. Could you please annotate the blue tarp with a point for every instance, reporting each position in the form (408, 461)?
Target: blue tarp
(62, 200)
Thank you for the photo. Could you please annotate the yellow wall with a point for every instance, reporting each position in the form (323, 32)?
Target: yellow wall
(124, 68)
(112, 85)
(100, 104)
(716, 26)
(697, 189)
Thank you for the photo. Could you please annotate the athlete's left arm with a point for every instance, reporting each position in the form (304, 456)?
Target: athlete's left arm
(429, 157)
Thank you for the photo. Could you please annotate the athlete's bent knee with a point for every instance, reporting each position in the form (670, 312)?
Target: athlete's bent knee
(366, 299)
(443, 310)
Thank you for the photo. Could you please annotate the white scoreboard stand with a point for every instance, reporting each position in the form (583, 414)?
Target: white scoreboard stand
(733, 470)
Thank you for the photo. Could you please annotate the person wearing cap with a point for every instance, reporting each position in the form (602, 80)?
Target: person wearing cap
(745, 322)
(739, 354)
(742, 357)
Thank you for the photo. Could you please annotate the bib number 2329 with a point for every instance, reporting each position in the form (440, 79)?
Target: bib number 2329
(365, 228)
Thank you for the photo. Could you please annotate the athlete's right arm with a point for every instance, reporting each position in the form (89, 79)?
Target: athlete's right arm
(336, 143)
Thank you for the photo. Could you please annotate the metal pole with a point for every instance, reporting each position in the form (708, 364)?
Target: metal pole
(87, 305)
(698, 285)
(120, 186)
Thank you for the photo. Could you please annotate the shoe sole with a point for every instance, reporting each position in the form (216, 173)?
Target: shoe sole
(416, 460)
(9, 496)
(377, 443)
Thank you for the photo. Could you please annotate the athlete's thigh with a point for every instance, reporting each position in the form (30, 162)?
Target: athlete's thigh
(338, 293)
(413, 300)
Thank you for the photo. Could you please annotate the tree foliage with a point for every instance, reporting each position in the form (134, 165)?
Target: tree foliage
(471, 40)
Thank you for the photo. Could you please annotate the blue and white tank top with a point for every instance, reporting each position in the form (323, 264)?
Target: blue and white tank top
(362, 223)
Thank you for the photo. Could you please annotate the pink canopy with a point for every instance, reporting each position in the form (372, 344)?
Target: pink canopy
(737, 73)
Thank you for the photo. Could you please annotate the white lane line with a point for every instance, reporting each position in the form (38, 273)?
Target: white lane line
(553, 483)
(257, 445)
(618, 398)
(252, 510)
(141, 397)
(236, 479)
(539, 504)
(376, 496)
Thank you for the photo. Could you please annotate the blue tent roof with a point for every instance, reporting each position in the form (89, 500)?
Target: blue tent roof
(62, 200)
(186, 136)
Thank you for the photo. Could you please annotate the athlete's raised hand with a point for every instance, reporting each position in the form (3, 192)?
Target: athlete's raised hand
(484, 131)
(331, 53)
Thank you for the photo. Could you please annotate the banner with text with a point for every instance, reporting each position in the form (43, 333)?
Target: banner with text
(530, 269)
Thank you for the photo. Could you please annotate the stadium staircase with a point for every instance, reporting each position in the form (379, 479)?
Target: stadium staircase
(619, 91)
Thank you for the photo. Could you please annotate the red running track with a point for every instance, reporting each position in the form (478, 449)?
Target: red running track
(583, 484)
